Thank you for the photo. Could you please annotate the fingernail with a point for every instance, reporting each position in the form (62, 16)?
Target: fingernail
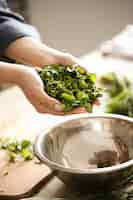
(58, 107)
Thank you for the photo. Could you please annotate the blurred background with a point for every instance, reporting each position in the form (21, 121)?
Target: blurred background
(76, 26)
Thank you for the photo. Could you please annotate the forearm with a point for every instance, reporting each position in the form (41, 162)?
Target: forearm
(30, 51)
(9, 73)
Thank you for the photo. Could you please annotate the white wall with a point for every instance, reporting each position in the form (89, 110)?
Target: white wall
(78, 26)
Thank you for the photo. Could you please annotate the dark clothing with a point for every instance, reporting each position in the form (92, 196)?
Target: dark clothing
(12, 27)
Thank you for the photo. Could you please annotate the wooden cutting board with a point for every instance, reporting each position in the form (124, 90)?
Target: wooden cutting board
(22, 179)
(19, 119)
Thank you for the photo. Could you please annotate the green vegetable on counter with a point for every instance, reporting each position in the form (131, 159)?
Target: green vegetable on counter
(15, 148)
(72, 86)
(121, 104)
(27, 154)
(12, 156)
(113, 84)
(25, 144)
(120, 93)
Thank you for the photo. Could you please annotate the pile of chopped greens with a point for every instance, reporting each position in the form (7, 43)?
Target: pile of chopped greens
(16, 149)
(73, 86)
(120, 93)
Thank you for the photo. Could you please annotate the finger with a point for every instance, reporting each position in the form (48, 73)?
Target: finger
(56, 113)
(74, 111)
(37, 69)
(52, 106)
(77, 111)
(44, 110)
(71, 60)
(97, 102)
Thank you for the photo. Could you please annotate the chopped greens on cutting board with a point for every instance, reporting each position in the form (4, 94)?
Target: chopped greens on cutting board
(17, 149)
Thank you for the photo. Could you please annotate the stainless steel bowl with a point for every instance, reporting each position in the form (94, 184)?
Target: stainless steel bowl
(89, 152)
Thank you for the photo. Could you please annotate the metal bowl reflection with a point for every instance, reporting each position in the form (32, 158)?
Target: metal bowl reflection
(89, 152)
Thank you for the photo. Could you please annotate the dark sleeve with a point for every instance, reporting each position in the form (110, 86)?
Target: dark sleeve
(12, 27)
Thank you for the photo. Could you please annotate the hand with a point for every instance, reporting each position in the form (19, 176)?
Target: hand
(38, 54)
(58, 57)
(32, 87)
(35, 53)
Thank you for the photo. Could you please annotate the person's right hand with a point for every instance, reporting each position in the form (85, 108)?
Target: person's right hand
(32, 86)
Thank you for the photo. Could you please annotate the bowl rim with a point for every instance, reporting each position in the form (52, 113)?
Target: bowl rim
(55, 166)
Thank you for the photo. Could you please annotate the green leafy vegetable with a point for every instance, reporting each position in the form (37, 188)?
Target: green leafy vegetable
(12, 156)
(12, 146)
(73, 86)
(122, 104)
(113, 84)
(27, 154)
(15, 148)
(25, 144)
(121, 94)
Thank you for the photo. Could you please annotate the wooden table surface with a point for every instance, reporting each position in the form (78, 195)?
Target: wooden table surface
(18, 118)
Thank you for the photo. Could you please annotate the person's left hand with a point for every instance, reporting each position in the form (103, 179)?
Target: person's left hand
(63, 58)
(32, 86)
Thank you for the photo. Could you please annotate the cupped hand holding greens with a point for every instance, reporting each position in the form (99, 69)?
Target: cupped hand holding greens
(73, 86)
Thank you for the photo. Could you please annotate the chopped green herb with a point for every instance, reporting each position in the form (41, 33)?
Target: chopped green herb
(27, 154)
(120, 93)
(73, 86)
(15, 148)
(12, 146)
(12, 156)
(25, 144)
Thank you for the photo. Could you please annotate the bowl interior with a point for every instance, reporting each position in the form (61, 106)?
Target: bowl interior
(85, 143)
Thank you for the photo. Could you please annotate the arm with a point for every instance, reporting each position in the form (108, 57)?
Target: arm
(30, 83)
(8, 73)
(13, 27)
(21, 42)
(30, 51)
